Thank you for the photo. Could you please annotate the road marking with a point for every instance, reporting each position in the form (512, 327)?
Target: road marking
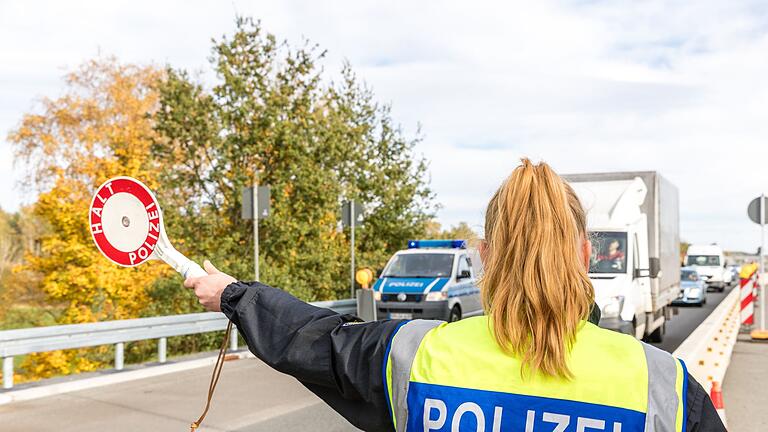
(272, 412)
(105, 380)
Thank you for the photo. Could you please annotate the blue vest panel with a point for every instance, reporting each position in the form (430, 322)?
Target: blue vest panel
(437, 408)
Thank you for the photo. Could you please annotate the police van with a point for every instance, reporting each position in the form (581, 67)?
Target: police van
(432, 279)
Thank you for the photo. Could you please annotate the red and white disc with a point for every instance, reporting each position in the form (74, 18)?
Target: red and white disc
(125, 221)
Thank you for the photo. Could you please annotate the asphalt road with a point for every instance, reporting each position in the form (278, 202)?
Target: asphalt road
(250, 398)
(687, 319)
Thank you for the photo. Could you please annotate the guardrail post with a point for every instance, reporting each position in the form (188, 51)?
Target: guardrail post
(119, 348)
(233, 339)
(7, 372)
(162, 345)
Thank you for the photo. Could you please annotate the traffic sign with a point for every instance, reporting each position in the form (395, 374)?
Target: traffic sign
(345, 214)
(264, 194)
(126, 224)
(125, 221)
(757, 213)
(753, 210)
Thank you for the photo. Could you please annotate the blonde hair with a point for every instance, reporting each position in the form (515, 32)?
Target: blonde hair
(535, 288)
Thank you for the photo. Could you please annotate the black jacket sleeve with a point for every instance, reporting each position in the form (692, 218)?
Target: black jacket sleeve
(340, 358)
(337, 357)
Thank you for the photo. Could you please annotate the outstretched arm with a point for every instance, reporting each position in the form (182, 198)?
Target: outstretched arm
(337, 357)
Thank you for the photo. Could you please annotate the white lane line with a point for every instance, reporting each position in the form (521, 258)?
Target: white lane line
(105, 380)
(272, 412)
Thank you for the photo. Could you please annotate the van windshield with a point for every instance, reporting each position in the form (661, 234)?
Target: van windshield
(703, 260)
(423, 265)
(609, 252)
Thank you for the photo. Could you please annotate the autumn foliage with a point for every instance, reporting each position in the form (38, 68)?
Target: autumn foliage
(315, 141)
(99, 128)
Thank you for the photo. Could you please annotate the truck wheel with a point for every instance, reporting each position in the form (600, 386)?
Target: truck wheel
(455, 314)
(657, 336)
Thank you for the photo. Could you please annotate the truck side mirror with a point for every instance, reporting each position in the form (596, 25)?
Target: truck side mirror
(464, 274)
(640, 273)
(654, 264)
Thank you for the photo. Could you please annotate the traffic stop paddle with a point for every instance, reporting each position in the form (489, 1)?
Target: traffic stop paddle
(127, 226)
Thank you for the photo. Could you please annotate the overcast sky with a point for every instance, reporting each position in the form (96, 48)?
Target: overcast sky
(677, 87)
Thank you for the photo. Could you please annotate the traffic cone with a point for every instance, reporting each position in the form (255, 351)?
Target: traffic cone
(716, 394)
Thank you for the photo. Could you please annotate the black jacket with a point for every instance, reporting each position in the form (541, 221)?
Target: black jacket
(339, 358)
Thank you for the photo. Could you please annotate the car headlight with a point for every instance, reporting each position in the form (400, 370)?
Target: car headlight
(612, 309)
(377, 295)
(437, 296)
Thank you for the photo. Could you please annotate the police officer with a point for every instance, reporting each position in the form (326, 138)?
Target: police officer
(535, 362)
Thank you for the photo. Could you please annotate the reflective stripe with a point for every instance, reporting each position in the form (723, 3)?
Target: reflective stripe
(663, 400)
(429, 287)
(404, 346)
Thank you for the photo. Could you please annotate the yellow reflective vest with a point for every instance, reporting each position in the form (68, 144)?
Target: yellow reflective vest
(454, 377)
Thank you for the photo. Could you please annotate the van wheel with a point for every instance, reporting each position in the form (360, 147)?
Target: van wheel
(455, 314)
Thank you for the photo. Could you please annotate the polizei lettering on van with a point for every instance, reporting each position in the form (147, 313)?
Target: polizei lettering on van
(435, 408)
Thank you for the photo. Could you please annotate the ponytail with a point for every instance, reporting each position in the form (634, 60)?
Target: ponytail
(535, 288)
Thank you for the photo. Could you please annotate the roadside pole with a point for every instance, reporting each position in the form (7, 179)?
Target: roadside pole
(255, 205)
(756, 212)
(256, 225)
(351, 217)
(760, 277)
(352, 248)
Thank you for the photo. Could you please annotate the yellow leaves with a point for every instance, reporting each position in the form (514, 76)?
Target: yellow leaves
(100, 128)
(47, 364)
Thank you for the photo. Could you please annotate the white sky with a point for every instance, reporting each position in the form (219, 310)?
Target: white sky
(678, 87)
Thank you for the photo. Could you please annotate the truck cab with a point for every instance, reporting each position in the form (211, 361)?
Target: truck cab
(709, 261)
(632, 219)
(432, 279)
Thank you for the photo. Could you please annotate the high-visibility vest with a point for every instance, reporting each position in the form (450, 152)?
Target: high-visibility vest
(454, 377)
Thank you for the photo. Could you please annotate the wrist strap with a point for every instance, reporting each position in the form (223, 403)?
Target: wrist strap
(214, 378)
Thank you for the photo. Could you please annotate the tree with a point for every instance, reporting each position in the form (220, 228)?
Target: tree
(683, 250)
(462, 231)
(98, 129)
(315, 143)
(19, 287)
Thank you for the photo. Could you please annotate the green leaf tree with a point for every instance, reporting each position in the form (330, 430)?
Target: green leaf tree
(315, 142)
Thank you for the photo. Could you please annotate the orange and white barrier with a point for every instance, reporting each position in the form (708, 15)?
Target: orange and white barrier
(747, 286)
(707, 350)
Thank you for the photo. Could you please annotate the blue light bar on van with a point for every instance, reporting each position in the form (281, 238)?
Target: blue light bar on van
(419, 244)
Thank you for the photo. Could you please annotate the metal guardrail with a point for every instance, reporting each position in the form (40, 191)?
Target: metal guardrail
(42, 339)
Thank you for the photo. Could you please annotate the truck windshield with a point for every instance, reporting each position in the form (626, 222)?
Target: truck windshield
(426, 265)
(703, 260)
(609, 252)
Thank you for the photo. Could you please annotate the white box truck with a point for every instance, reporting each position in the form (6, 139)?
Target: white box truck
(633, 221)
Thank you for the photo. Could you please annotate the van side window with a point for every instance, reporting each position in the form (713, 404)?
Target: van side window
(464, 265)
